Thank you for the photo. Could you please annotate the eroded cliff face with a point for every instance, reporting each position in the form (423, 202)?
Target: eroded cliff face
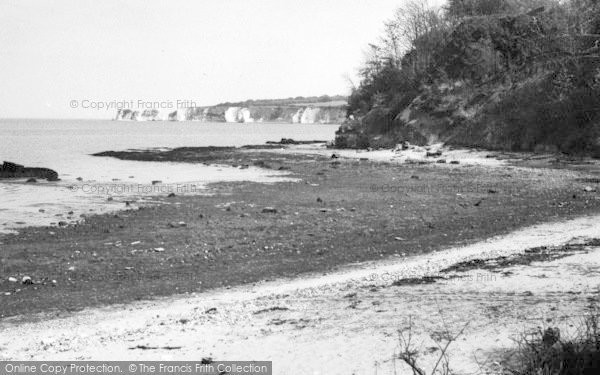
(493, 88)
(291, 114)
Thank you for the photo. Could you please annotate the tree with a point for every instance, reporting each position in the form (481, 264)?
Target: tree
(469, 8)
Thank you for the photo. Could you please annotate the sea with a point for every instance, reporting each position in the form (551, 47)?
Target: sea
(90, 184)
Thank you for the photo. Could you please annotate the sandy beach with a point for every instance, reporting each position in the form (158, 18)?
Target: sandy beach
(360, 241)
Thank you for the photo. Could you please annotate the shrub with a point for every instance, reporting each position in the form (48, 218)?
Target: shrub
(546, 352)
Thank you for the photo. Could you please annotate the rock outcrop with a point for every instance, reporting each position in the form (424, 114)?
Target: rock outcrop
(12, 170)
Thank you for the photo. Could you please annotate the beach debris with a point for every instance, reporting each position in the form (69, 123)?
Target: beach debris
(159, 249)
(589, 189)
(26, 280)
(454, 162)
(54, 282)
(441, 161)
(492, 191)
(335, 156)
(79, 179)
(171, 195)
(415, 177)
(417, 280)
(269, 210)
(72, 268)
(325, 210)
(399, 239)
(212, 310)
(136, 243)
(184, 321)
(433, 154)
(62, 223)
(478, 203)
(12, 279)
(146, 347)
(319, 200)
(156, 182)
(41, 210)
(110, 199)
(31, 180)
(261, 164)
(274, 308)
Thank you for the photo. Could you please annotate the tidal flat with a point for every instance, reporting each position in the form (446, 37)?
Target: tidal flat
(337, 211)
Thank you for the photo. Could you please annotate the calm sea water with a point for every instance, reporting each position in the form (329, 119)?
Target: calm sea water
(88, 181)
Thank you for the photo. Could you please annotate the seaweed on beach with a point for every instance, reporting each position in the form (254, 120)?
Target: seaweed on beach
(536, 254)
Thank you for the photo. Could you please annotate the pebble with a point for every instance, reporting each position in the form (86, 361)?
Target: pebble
(177, 225)
(269, 210)
(12, 279)
(27, 280)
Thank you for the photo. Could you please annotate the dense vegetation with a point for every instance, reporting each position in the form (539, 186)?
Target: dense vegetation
(299, 100)
(502, 74)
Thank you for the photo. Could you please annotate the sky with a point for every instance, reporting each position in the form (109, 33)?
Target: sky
(68, 58)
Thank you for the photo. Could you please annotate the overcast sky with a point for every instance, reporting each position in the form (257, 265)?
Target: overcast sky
(205, 51)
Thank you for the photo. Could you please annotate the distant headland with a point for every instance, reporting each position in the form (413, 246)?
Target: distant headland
(302, 110)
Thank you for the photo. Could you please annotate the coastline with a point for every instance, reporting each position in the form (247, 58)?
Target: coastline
(302, 316)
(342, 211)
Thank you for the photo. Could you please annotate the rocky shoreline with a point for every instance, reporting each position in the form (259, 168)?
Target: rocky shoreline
(342, 210)
(15, 171)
